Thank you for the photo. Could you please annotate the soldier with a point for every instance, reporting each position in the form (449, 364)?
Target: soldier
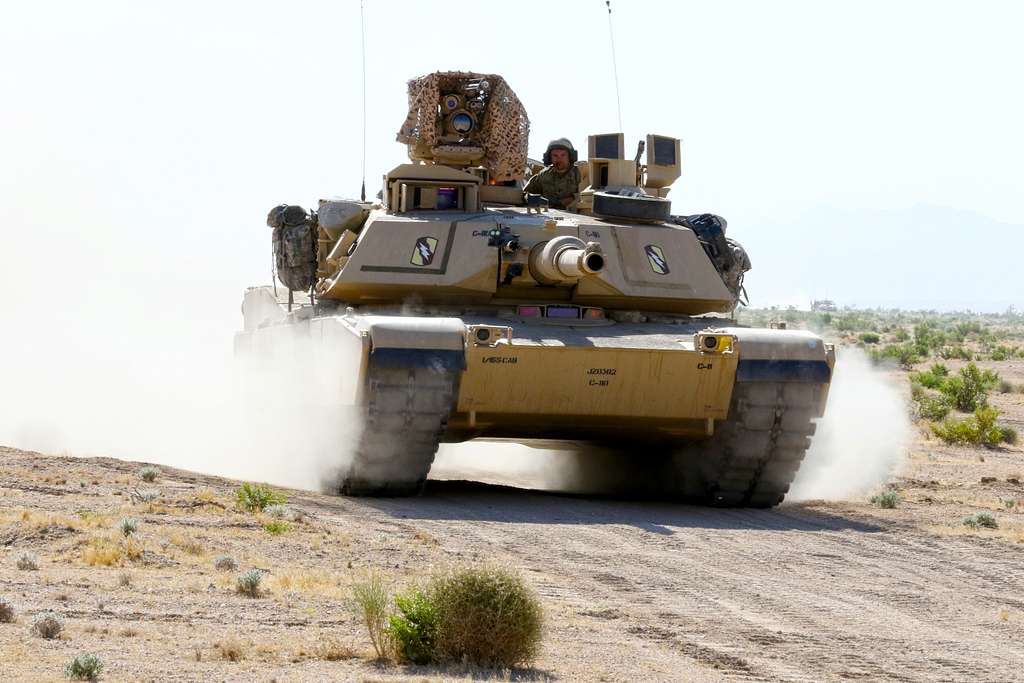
(559, 182)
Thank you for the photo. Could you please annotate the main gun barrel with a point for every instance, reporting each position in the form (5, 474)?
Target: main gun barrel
(565, 259)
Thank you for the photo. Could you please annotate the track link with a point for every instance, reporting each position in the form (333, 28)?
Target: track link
(755, 454)
(406, 413)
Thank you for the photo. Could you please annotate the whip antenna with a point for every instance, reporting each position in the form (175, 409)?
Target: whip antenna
(615, 66)
(362, 43)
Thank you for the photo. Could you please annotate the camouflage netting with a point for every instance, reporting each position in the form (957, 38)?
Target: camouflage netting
(506, 128)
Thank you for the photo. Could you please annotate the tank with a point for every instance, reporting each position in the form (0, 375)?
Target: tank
(468, 310)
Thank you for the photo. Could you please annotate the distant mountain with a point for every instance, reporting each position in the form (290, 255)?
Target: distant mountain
(923, 257)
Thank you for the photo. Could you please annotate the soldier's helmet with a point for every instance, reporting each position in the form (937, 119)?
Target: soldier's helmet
(560, 143)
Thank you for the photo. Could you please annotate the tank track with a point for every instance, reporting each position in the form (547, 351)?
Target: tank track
(406, 414)
(754, 455)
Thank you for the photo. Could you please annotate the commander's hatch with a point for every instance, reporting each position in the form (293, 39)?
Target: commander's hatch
(428, 187)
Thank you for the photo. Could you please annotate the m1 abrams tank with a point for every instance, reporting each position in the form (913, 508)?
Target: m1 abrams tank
(473, 312)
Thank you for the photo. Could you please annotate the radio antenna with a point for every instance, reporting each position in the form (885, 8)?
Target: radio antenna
(362, 43)
(615, 66)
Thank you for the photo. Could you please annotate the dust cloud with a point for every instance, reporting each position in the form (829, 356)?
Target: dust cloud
(274, 417)
(862, 438)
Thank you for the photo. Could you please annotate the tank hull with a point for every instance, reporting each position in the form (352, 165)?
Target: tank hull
(727, 416)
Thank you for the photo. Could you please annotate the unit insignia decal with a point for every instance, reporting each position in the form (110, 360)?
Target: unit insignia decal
(423, 252)
(656, 257)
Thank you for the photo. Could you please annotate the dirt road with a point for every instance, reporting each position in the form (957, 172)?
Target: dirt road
(632, 590)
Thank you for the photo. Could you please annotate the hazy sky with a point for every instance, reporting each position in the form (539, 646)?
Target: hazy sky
(143, 143)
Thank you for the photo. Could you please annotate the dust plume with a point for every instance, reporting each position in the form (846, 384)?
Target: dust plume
(270, 417)
(862, 438)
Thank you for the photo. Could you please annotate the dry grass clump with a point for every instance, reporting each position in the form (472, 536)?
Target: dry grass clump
(7, 612)
(102, 551)
(231, 649)
(27, 562)
(314, 582)
(330, 649)
(47, 625)
(373, 603)
(189, 544)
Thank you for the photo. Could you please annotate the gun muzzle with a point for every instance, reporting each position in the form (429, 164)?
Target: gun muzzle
(565, 259)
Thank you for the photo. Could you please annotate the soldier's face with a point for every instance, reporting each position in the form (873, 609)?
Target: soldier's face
(560, 159)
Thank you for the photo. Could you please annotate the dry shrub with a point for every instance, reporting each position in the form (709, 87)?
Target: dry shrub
(188, 544)
(6, 611)
(231, 649)
(331, 649)
(225, 563)
(47, 625)
(486, 616)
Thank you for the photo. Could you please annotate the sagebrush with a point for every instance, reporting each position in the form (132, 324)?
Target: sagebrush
(886, 499)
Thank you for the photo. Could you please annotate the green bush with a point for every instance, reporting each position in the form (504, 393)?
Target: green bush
(83, 668)
(414, 629)
(979, 428)
(933, 407)
(905, 355)
(870, 338)
(256, 497)
(955, 352)
(886, 499)
(932, 378)
(969, 389)
(982, 520)
(486, 616)
(277, 526)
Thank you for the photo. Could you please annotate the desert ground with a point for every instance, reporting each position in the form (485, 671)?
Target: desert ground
(632, 590)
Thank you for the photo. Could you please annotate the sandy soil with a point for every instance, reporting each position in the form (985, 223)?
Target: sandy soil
(633, 590)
